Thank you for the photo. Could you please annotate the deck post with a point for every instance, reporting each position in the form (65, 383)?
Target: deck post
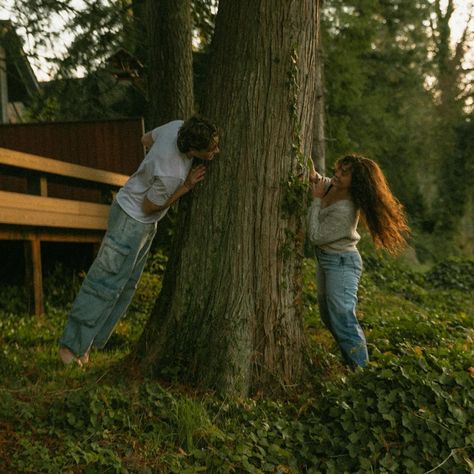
(37, 276)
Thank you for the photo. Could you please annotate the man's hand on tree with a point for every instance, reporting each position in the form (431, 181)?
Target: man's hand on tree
(195, 175)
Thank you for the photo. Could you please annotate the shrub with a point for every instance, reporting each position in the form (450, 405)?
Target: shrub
(61, 286)
(453, 273)
(15, 299)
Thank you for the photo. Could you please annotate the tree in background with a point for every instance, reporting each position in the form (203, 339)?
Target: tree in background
(229, 315)
(375, 62)
(170, 64)
(464, 178)
(98, 31)
(454, 176)
(383, 64)
(318, 153)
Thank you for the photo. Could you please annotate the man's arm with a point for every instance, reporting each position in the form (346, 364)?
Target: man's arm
(195, 175)
(147, 140)
(149, 206)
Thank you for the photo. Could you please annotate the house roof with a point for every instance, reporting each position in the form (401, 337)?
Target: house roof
(123, 65)
(22, 82)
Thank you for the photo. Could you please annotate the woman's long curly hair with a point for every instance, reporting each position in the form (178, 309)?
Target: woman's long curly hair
(381, 211)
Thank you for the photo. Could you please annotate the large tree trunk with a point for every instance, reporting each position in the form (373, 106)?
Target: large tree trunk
(229, 315)
(170, 73)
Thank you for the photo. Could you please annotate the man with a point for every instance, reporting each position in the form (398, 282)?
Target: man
(162, 178)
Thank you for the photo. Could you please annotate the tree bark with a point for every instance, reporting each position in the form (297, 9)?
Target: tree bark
(229, 316)
(170, 73)
(319, 138)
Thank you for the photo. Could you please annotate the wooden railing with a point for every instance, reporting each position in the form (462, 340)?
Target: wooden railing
(36, 217)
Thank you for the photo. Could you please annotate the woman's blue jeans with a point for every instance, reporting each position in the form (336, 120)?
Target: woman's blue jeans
(337, 281)
(110, 283)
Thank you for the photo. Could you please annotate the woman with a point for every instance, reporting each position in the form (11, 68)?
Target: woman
(357, 188)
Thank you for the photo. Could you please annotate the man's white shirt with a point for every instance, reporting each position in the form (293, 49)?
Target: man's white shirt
(162, 171)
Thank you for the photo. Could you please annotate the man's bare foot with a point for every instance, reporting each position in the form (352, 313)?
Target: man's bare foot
(84, 359)
(67, 356)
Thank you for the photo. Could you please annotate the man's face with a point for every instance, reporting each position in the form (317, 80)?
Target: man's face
(208, 154)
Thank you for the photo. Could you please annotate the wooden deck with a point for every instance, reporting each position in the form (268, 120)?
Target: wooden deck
(35, 217)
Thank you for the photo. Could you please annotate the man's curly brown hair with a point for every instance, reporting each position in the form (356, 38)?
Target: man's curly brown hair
(199, 133)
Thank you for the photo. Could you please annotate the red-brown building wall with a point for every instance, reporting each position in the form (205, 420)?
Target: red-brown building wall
(112, 145)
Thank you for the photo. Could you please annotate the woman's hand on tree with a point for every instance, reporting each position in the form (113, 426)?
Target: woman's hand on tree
(314, 176)
(318, 189)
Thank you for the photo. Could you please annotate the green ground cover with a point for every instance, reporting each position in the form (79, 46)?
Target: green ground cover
(410, 411)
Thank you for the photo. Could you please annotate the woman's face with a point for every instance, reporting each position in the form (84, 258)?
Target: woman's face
(342, 178)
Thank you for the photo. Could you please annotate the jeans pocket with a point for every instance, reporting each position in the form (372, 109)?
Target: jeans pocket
(112, 256)
(93, 301)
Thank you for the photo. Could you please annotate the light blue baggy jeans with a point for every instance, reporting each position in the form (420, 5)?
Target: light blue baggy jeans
(110, 283)
(337, 281)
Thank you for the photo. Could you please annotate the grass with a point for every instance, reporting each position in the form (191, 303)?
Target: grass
(411, 410)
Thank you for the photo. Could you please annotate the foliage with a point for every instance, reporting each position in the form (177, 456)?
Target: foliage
(411, 410)
(380, 57)
(61, 285)
(453, 273)
(90, 34)
(456, 177)
(97, 96)
(15, 299)
(377, 102)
